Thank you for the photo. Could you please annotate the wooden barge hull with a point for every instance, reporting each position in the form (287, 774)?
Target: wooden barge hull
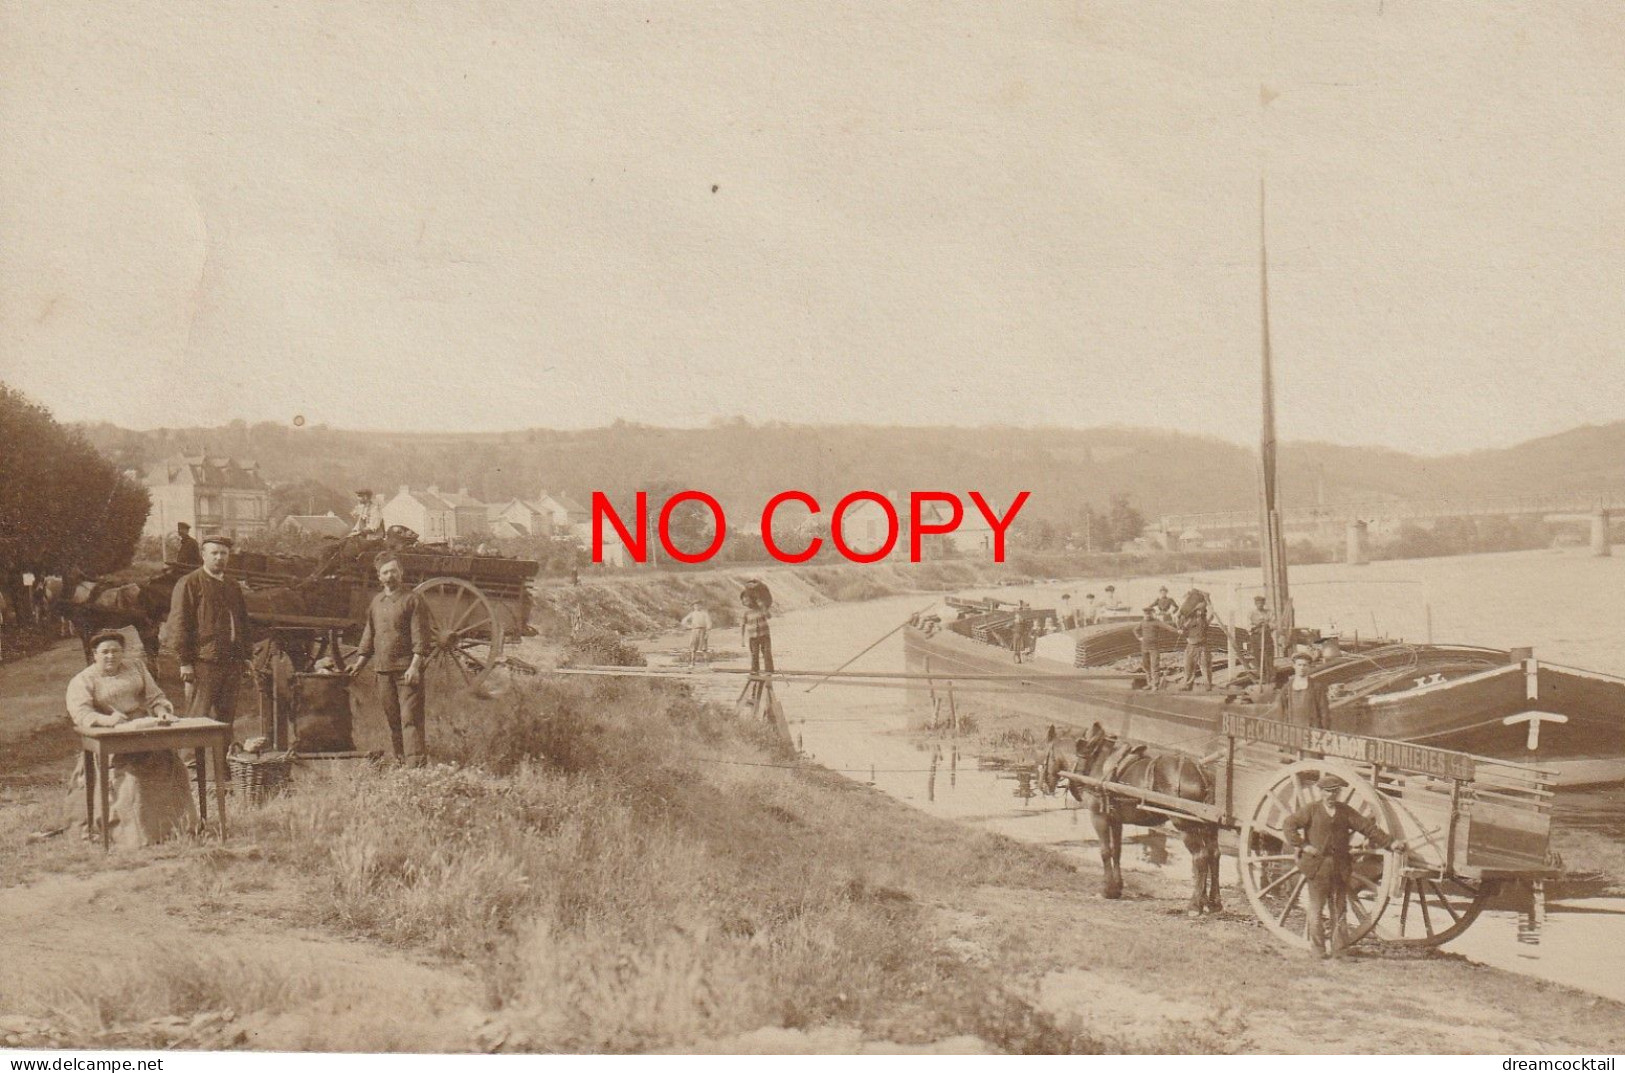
(1578, 717)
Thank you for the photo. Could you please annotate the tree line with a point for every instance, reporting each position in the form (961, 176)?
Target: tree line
(62, 503)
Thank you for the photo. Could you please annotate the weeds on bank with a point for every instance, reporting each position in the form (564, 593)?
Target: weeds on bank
(164, 982)
(627, 869)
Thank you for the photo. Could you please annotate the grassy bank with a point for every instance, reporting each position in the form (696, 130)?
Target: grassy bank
(619, 868)
(614, 866)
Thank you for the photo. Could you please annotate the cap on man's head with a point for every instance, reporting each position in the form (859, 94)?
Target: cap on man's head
(1258, 599)
(1111, 588)
(108, 635)
(383, 557)
(223, 541)
(183, 527)
(1163, 589)
(1329, 781)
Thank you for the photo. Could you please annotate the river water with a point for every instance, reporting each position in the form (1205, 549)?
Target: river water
(1564, 603)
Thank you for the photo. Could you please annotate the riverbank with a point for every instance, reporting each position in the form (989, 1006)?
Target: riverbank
(642, 603)
(617, 866)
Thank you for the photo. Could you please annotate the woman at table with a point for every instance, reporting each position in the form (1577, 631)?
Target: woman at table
(150, 799)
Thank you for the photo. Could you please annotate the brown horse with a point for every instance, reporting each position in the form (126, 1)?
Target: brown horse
(1102, 756)
(90, 606)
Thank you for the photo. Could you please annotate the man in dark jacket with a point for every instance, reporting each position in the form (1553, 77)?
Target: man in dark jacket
(1320, 832)
(396, 639)
(187, 553)
(208, 624)
(1303, 701)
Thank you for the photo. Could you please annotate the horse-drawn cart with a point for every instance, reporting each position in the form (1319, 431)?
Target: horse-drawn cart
(309, 615)
(477, 603)
(1470, 825)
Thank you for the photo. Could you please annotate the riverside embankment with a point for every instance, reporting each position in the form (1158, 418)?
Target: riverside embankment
(646, 602)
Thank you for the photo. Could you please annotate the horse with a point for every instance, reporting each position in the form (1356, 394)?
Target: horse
(90, 606)
(1101, 756)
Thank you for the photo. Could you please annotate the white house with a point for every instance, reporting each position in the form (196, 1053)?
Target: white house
(423, 512)
(519, 514)
(212, 495)
(565, 513)
(864, 527)
(470, 519)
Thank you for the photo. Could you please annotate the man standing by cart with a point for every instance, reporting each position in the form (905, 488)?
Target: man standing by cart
(1319, 833)
(187, 552)
(396, 639)
(208, 623)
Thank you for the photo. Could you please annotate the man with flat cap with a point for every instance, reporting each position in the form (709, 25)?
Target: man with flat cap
(208, 624)
(396, 639)
(187, 553)
(1320, 832)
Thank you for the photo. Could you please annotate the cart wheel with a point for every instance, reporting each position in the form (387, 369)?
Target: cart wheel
(1431, 911)
(467, 632)
(1269, 875)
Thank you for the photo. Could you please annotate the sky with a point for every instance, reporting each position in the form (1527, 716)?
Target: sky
(485, 216)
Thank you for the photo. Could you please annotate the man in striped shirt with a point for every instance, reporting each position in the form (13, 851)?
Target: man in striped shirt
(753, 631)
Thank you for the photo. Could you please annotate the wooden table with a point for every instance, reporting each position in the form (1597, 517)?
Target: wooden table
(101, 744)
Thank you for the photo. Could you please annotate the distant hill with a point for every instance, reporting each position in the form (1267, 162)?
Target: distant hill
(743, 464)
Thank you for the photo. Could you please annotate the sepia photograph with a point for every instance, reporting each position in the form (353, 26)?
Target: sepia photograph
(605, 527)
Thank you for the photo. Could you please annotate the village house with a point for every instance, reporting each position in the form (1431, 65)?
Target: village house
(423, 512)
(518, 517)
(215, 496)
(864, 527)
(470, 518)
(316, 525)
(566, 515)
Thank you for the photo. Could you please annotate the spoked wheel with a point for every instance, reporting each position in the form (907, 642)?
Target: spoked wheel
(1269, 874)
(467, 635)
(1430, 911)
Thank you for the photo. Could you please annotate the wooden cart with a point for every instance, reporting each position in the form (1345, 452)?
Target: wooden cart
(477, 605)
(1471, 825)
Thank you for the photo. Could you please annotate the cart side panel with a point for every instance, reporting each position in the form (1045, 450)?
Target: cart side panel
(1502, 838)
(1509, 819)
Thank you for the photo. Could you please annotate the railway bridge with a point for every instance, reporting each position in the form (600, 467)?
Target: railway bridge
(1350, 521)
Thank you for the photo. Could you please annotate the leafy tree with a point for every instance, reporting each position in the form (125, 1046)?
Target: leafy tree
(1123, 522)
(62, 504)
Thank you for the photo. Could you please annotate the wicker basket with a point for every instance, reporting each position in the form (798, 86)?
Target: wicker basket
(258, 777)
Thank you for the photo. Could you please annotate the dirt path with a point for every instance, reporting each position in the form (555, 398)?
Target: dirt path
(115, 945)
(75, 925)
